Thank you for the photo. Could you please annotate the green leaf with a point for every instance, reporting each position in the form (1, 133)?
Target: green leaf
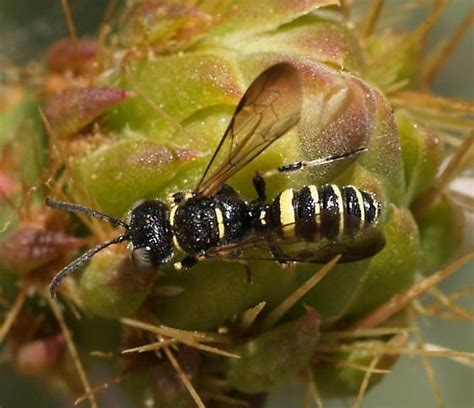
(274, 355)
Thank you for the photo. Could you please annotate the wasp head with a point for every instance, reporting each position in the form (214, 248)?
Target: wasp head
(150, 234)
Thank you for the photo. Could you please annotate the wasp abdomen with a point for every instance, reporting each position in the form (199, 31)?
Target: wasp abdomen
(236, 218)
(329, 212)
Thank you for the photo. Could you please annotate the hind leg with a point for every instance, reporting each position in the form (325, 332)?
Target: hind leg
(259, 176)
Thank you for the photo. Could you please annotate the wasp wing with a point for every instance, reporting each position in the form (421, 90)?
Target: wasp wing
(269, 108)
(274, 246)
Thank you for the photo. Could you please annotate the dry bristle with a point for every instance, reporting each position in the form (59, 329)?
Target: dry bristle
(172, 336)
(23, 209)
(151, 346)
(170, 342)
(13, 312)
(394, 350)
(72, 350)
(433, 69)
(98, 388)
(346, 9)
(249, 316)
(99, 229)
(398, 302)
(450, 304)
(361, 333)
(430, 373)
(276, 314)
(464, 201)
(228, 401)
(434, 308)
(184, 378)
(178, 334)
(69, 20)
(365, 381)
(395, 347)
(465, 360)
(342, 363)
(370, 20)
(452, 169)
(437, 11)
(312, 394)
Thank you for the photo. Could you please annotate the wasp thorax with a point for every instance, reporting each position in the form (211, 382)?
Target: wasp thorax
(150, 235)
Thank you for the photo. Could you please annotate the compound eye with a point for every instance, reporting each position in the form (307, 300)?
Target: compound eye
(142, 259)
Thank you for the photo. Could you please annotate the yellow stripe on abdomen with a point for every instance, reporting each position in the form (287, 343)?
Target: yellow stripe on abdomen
(220, 222)
(287, 212)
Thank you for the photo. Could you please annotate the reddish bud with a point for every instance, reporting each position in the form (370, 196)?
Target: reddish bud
(38, 356)
(7, 185)
(164, 26)
(68, 54)
(29, 247)
(74, 108)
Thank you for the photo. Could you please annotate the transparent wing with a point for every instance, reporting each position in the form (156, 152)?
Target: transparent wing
(269, 108)
(259, 247)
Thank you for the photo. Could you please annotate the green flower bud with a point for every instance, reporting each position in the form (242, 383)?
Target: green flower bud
(112, 287)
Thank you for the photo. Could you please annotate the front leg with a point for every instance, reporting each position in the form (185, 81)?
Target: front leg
(279, 256)
(248, 271)
(259, 185)
(186, 263)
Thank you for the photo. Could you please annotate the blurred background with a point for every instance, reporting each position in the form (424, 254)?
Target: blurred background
(27, 27)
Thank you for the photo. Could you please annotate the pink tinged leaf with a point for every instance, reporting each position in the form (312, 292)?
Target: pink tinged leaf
(156, 156)
(342, 113)
(67, 54)
(328, 42)
(338, 110)
(164, 26)
(40, 355)
(126, 171)
(74, 108)
(29, 247)
(249, 17)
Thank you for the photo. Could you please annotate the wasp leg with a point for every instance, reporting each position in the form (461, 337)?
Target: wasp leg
(245, 264)
(259, 185)
(278, 255)
(258, 179)
(248, 271)
(227, 190)
(186, 263)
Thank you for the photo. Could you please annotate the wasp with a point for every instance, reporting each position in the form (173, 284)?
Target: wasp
(311, 224)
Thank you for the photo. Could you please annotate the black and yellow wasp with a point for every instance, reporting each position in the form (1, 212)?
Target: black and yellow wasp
(311, 224)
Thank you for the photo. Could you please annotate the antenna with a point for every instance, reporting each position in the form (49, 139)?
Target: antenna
(81, 261)
(76, 208)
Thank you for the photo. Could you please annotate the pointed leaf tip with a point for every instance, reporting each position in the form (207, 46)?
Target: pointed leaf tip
(29, 247)
(74, 108)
